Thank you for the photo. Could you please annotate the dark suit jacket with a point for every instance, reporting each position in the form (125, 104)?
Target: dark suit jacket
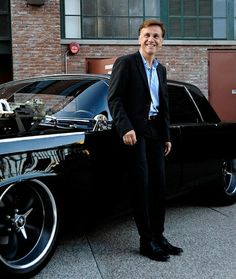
(129, 97)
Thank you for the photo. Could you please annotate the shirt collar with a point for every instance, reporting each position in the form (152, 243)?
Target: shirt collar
(154, 62)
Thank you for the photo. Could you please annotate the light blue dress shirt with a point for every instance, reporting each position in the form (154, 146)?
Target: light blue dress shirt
(153, 82)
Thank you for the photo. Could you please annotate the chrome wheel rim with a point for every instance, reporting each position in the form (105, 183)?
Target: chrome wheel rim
(28, 222)
(229, 176)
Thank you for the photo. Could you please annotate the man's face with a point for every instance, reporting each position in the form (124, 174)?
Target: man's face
(150, 40)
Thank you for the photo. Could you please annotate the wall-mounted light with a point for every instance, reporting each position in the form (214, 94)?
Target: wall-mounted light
(35, 2)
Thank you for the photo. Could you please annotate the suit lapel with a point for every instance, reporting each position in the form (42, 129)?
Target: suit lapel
(140, 66)
(160, 76)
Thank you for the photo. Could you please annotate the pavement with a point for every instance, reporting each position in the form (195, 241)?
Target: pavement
(111, 250)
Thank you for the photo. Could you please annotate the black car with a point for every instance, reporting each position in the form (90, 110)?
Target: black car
(59, 151)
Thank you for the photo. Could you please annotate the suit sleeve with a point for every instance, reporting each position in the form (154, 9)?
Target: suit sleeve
(117, 89)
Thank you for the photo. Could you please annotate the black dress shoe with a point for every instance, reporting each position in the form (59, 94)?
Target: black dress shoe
(154, 252)
(169, 248)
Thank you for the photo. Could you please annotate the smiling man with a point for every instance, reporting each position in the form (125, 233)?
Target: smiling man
(138, 102)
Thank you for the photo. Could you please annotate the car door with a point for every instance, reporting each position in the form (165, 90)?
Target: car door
(197, 147)
(173, 163)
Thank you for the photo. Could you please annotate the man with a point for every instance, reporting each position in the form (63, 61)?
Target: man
(138, 103)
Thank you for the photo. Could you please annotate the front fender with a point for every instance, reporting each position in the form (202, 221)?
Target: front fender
(29, 165)
(41, 158)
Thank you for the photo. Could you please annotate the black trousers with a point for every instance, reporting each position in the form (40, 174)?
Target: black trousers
(146, 166)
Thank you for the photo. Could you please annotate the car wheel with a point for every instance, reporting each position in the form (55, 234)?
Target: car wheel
(229, 180)
(28, 228)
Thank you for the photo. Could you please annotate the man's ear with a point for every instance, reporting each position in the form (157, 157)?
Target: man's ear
(162, 41)
(139, 40)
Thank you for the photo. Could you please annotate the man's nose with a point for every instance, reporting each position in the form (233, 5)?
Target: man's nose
(151, 38)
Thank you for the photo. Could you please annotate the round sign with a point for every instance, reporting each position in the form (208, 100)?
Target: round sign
(74, 48)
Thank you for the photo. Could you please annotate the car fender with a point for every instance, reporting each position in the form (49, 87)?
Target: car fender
(38, 156)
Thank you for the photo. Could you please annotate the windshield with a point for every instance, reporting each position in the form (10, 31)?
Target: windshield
(60, 98)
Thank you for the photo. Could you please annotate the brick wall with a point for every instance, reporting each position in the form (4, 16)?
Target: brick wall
(186, 63)
(36, 47)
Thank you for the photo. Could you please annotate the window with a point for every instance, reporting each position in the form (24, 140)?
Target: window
(72, 19)
(184, 19)
(219, 19)
(198, 19)
(235, 19)
(190, 19)
(207, 112)
(182, 108)
(106, 19)
(4, 20)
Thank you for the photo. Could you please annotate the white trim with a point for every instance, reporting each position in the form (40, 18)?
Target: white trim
(29, 138)
(100, 42)
(41, 142)
(166, 42)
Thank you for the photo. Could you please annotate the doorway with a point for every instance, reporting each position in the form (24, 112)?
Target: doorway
(222, 83)
(100, 65)
(5, 68)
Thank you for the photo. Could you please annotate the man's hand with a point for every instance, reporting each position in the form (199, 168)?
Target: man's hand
(130, 138)
(167, 147)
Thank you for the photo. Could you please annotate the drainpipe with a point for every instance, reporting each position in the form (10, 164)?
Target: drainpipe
(66, 57)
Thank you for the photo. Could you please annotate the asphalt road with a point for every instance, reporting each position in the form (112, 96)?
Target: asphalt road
(207, 233)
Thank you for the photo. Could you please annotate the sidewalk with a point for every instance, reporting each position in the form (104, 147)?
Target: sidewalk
(207, 235)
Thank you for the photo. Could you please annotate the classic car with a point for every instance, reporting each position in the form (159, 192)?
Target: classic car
(59, 155)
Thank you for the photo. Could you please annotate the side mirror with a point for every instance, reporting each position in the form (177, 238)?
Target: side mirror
(101, 123)
(5, 108)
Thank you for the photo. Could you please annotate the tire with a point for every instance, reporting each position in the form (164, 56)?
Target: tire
(28, 228)
(229, 181)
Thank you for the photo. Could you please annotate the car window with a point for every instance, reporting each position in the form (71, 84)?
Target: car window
(182, 108)
(207, 111)
(89, 103)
